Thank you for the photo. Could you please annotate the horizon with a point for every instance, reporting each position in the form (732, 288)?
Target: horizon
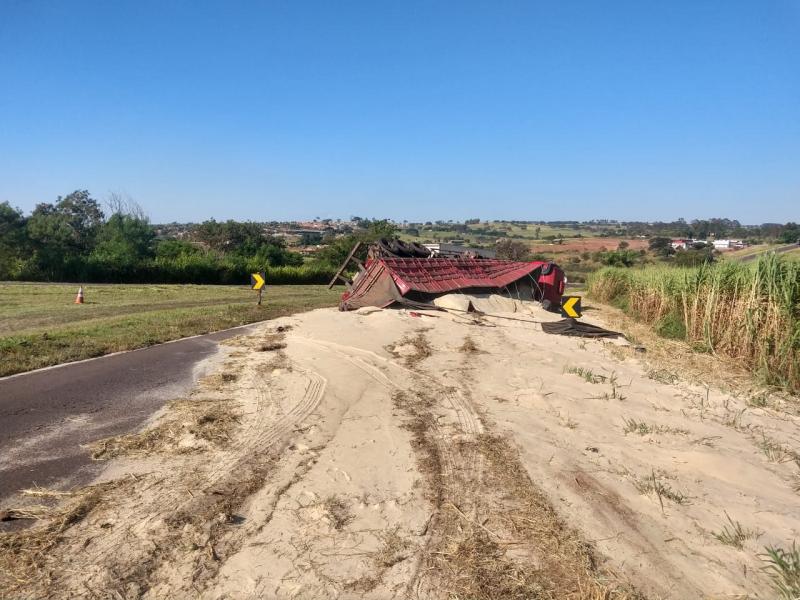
(419, 112)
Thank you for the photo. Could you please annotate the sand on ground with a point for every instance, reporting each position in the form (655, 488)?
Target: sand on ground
(398, 454)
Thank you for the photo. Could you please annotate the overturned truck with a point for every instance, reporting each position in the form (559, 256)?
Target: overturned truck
(395, 272)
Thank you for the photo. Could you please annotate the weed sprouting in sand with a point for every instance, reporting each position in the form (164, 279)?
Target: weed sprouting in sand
(777, 452)
(783, 569)
(663, 376)
(656, 484)
(735, 535)
(586, 374)
(644, 428)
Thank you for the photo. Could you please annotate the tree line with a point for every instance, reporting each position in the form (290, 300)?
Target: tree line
(74, 239)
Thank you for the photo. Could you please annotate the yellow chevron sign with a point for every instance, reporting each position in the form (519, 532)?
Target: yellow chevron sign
(257, 280)
(571, 306)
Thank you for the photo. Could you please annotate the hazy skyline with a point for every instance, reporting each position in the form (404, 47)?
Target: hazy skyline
(416, 111)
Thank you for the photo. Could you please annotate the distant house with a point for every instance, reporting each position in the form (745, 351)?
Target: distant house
(728, 244)
(681, 244)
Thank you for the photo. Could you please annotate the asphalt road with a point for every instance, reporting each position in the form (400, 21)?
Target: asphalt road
(778, 250)
(46, 415)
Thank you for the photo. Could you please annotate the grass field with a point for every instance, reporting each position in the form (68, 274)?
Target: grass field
(40, 325)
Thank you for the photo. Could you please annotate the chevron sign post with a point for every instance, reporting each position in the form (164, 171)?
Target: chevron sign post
(571, 307)
(257, 281)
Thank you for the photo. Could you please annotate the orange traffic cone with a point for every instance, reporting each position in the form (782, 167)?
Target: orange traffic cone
(79, 297)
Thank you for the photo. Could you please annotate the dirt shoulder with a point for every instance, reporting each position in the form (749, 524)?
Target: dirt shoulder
(380, 455)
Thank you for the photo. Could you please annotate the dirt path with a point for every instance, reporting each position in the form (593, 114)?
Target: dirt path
(378, 455)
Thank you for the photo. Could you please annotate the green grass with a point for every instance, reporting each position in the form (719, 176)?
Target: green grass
(783, 568)
(40, 326)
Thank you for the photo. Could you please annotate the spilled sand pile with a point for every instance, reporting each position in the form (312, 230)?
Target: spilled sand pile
(378, 454)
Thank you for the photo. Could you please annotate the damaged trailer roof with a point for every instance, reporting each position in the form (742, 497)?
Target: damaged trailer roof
(385, 280)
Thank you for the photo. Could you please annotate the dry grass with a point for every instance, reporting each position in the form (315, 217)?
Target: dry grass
(480, 516)
(24, 555)
(338, 511)
(469, 346)
(412, 349)
(190, 425)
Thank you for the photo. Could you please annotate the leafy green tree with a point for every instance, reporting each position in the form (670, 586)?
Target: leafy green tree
(124, 240)
(63, 232)
(693, 257)
(173, 249)
(310, 238)
(335, 253)
(618, 258)
(662, 246)
(12, 239)
(512, 250)
(790, 233)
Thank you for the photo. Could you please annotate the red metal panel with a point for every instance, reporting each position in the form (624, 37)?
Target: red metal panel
(438, 275)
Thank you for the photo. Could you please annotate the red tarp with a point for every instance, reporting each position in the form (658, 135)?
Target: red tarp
(386, 280)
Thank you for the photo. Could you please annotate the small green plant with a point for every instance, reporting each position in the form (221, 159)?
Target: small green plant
(671, 326)
(777, 452)
(568, 422)
(735, 535)
(663, 376)
(758, 400)
(643, 428)
(654, 484)
(734, 420)
(586, 374)
(783, 568)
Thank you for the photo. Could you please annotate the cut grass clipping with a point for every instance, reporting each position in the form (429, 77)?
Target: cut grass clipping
(190, 426)
(481, 514)
(24, 554)
(412, 349)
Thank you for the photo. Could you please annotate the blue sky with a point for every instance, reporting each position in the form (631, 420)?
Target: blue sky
(408, 110)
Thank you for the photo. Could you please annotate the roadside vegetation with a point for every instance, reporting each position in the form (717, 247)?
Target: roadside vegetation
(79, 239)
(749, 312)
(40, 326)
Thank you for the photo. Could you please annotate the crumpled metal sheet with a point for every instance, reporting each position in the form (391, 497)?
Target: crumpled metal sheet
(578, 329)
